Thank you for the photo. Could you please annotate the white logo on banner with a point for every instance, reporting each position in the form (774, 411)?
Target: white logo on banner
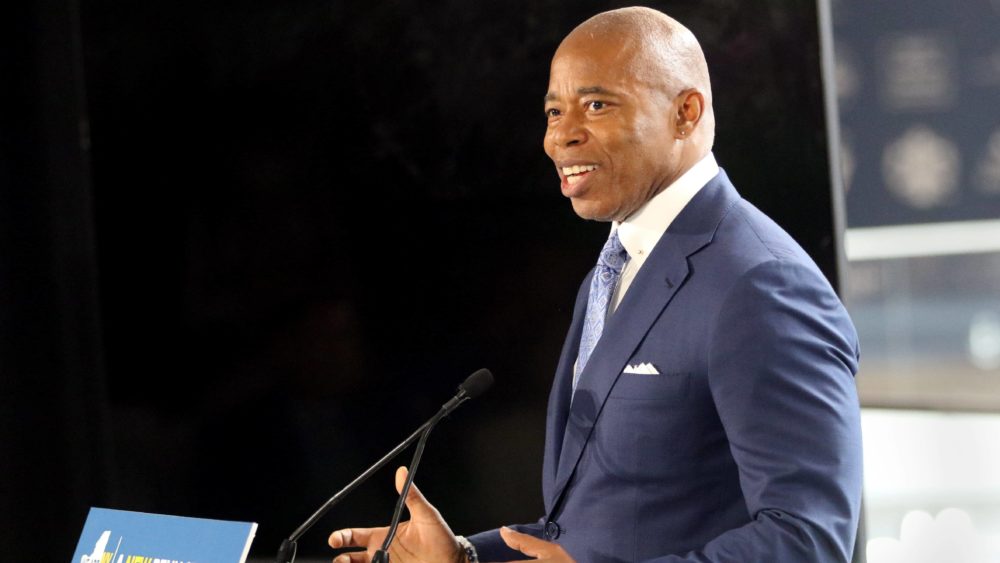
(846, 160)
(100, 550)
(918, 72)
(921, 168)
(846, 74)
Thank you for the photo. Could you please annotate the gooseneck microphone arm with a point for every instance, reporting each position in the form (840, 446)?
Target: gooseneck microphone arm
(382, 555)
(286, 553)
(473, 386)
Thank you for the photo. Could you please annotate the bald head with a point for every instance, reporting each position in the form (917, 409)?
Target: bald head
(629, 110)
(657, 49)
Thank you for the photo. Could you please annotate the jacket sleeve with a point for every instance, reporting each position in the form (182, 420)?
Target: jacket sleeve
(490, 547)
(782, 361)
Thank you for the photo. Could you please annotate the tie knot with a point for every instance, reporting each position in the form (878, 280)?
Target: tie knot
(613, 255)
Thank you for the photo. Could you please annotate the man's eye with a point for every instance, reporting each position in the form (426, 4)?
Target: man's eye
(596, 105)
(551, 112)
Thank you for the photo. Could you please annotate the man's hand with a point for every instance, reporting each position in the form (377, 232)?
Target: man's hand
(541, 550)
(425, 538)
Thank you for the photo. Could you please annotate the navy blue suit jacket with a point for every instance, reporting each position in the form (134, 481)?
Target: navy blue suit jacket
(747, 445)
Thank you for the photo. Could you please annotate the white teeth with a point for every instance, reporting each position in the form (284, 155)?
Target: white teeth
(573, 179)
(578, 169)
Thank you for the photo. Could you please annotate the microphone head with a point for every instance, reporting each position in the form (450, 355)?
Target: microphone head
(477, 383)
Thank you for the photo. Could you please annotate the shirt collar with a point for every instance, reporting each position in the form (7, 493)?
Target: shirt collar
(643, 229)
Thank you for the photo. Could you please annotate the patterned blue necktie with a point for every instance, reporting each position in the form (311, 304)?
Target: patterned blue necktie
(602, 288)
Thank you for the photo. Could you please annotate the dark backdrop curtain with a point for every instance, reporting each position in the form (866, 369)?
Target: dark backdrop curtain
(261, 345)
(55, 458)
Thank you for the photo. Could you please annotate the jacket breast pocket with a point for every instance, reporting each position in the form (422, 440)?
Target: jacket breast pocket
(666, 387)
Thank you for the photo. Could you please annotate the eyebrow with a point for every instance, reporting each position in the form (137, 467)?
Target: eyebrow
(583, 91)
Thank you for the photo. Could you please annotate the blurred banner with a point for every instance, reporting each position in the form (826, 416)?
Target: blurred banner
(918, 84)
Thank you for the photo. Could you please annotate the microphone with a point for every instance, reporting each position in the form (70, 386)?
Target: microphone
(473, 386)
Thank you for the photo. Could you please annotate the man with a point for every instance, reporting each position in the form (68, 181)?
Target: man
(704, 407)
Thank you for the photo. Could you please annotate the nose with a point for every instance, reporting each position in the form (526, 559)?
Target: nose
(568, 131)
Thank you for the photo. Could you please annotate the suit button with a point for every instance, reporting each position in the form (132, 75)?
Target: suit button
(552, 530)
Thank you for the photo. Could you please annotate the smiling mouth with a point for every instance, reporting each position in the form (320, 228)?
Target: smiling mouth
(574, 174)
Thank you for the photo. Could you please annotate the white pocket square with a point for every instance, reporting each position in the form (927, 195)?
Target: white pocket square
(642, 369)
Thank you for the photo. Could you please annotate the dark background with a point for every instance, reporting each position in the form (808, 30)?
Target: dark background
(246, 249)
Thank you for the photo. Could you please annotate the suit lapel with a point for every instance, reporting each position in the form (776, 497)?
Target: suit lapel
(562, 389)
(664, 273)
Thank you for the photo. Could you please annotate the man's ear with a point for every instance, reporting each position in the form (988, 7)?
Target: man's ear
(690, 106)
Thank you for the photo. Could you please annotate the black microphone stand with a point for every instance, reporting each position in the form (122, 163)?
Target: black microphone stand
(382, 555)
(473, 386)
(286, 553)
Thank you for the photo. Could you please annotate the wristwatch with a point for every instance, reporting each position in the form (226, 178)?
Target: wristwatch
(470, 550)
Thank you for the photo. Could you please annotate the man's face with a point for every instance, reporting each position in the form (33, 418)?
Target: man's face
(610, 131)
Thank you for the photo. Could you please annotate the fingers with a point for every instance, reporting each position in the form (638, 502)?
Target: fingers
(371, 538)
(356, 557)
(415, 502)
(526, 544)
(532, 546)
(351, 537)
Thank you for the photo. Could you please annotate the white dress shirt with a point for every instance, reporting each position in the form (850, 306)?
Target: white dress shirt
(643, 229)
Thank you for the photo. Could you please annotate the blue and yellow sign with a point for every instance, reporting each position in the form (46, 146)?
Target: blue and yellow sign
(118, 536)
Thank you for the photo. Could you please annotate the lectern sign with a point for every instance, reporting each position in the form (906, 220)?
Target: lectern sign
(118, 536)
